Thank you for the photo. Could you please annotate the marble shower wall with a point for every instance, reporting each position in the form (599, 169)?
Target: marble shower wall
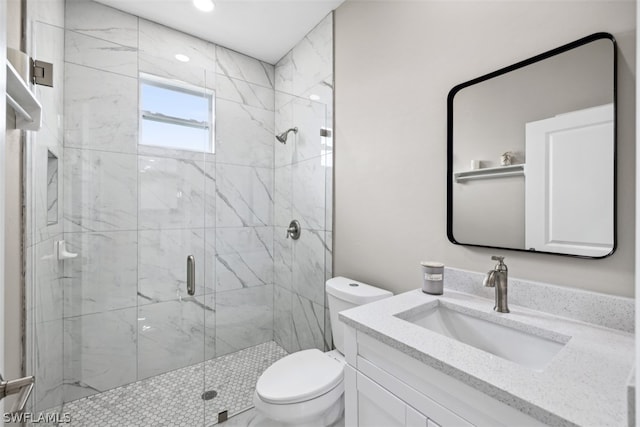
(303, 191)
(43, 211)
(133, 213)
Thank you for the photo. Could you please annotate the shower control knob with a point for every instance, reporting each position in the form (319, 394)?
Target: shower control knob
(294, 230)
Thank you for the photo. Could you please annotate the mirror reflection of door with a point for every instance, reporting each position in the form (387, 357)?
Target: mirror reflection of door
(562, 213)
(572, 210)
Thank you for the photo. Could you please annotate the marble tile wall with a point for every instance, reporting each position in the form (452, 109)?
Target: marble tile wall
(133, 213)
(44, 225)
(303, 191)
(244, 196)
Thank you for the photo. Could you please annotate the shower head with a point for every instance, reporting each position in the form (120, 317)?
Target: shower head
(283, 136)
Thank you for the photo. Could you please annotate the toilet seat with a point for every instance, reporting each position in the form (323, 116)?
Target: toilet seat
(299, 377)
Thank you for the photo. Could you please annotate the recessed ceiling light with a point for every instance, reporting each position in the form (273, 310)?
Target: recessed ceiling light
(314, 97)
(182, 58)
(204, 5)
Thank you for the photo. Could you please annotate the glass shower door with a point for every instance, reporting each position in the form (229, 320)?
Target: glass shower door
(114, 333)
(44, 274)
(175, 181)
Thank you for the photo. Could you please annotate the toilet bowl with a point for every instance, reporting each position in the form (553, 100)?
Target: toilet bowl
(302, 389)
(306, 388)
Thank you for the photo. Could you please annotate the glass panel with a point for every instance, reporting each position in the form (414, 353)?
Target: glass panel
(172, 290)
(171, 101)
(175, 114)
(113, 333)
(44, 276)
(174, 136)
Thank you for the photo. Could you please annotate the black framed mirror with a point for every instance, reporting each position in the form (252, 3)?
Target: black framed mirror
(531, 156)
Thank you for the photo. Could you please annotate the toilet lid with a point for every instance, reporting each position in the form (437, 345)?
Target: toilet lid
(299, 377)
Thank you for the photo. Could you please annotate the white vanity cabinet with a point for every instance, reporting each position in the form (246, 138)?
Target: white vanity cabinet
(386, 388)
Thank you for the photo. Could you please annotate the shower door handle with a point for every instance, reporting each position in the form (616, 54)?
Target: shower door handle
(24, 386)
(191, 275)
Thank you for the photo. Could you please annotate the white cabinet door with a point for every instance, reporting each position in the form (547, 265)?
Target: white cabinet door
(569, 183)
(377, 407)
(350, 396)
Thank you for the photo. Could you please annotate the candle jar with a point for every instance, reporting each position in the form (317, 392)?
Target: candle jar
(432, 277)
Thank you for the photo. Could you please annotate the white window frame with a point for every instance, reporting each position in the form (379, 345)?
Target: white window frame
(177, 86)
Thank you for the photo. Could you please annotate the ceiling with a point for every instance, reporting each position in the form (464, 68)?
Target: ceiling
(263, 29)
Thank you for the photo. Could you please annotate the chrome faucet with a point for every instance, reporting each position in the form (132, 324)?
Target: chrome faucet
(497, 278)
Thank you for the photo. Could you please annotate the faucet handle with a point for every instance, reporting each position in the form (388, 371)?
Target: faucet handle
(500, 266)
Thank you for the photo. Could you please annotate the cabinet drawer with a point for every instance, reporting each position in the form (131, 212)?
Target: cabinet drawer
(434, 411)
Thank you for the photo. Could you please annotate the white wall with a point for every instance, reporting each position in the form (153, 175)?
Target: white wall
(395, 64)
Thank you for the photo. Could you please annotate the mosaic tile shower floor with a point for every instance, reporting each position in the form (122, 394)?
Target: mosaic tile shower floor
(174, 398)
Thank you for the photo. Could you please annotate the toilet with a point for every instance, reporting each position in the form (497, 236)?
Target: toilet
(306, 388)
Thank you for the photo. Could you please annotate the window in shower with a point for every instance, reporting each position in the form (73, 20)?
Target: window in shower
(176, 115)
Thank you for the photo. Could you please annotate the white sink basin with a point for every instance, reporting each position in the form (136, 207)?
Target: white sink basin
(505, 341)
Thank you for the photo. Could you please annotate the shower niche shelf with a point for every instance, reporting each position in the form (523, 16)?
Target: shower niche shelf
(20, 98)
(486, 173)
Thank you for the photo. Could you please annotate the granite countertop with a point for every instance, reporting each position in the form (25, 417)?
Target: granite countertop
(584, 384)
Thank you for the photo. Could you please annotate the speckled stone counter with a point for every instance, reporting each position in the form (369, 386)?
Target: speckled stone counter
(584, 384)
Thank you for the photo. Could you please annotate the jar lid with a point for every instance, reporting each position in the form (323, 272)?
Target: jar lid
(433, 264)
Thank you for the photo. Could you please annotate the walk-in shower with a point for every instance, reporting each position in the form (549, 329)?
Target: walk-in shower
(161, 161)
(283, 136)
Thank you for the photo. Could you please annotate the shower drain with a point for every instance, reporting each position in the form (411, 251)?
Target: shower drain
(209, 394)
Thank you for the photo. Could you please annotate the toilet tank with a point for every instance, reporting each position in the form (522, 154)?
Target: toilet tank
(343, 294)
